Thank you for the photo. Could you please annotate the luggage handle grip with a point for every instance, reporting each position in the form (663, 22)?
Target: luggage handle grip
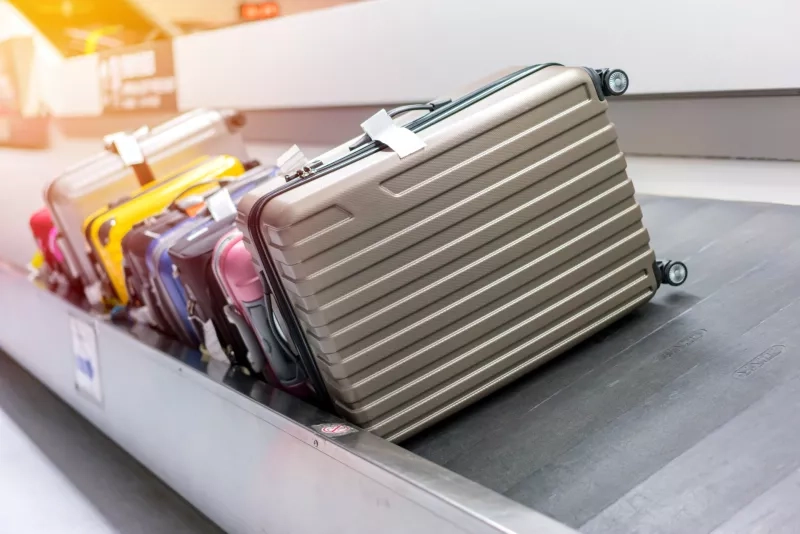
(393, 113)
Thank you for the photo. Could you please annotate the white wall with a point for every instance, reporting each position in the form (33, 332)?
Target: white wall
(389, 51)
(405, 50)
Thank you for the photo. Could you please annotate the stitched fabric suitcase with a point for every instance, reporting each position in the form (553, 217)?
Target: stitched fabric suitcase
(413, 286)
(152, 273)
(251, 312)
(105, 229)
(94, 183)
(138, 246)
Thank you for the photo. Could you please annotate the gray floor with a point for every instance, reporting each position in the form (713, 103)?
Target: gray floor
(684, 417)
(58, 474)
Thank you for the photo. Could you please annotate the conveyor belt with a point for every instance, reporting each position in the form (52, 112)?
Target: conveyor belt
(685, 416)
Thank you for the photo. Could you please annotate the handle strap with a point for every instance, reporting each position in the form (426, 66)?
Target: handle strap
(127, 147)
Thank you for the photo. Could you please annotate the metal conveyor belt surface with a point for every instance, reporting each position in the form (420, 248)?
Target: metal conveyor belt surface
(683, 417)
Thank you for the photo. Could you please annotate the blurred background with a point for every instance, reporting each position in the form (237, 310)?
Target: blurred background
(711, 104)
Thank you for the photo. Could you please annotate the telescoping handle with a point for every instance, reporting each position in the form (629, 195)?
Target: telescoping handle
(396, 112)
(126, 146)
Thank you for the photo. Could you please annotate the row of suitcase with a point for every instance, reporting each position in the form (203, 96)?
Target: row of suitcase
(400, 277)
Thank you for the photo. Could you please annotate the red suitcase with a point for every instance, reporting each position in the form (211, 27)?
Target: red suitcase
(46, 235)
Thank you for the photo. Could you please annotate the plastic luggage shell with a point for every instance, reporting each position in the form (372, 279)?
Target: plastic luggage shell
(414, 286)
(103, 179)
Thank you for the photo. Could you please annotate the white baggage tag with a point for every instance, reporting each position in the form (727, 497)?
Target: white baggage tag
(381, 127)
(127, 147)
(291, 160)
(94, 293)
(220, 205)
(142, 315)
(211, 341)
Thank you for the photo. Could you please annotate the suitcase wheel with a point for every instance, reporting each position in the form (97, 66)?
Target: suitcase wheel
(615, 82)
(673, 273)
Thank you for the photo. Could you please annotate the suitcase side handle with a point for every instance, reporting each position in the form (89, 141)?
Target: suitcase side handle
(255, 354)
(393, 113)
(281, 363)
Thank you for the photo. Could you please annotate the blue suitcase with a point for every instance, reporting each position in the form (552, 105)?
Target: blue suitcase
(150, 273)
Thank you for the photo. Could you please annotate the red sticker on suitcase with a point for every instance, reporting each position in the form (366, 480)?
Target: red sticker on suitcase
(335, 430)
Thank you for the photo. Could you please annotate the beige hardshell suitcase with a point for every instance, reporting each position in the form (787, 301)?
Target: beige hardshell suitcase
(412, 287)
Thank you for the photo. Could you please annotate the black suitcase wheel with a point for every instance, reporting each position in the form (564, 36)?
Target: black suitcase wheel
(674, 273)
(615, 82)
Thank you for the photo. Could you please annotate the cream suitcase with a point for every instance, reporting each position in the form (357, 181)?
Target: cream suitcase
(413, 286)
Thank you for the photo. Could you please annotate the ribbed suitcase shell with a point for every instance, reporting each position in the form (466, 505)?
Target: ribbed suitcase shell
(91, 184)
(425, 283)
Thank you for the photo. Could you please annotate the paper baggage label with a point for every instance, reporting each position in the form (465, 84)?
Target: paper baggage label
(211, 341)
(221, 205)
(291, 160)
(87, 360)
(381, 127)
(94, 293)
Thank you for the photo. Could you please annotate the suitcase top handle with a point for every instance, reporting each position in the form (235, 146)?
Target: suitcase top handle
(437, 114)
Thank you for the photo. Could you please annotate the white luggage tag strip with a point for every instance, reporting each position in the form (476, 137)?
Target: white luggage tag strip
(381, 127)
(127, 147)
(220, 205)
(94, 293)
(141, 315)
(212, 344)
(291, 160)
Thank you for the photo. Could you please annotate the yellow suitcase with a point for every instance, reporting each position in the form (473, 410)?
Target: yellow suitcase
(105, 228)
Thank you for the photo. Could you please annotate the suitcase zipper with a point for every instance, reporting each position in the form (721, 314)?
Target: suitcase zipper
(316, 169)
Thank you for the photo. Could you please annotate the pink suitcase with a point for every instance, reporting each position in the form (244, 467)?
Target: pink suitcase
(250, 311)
